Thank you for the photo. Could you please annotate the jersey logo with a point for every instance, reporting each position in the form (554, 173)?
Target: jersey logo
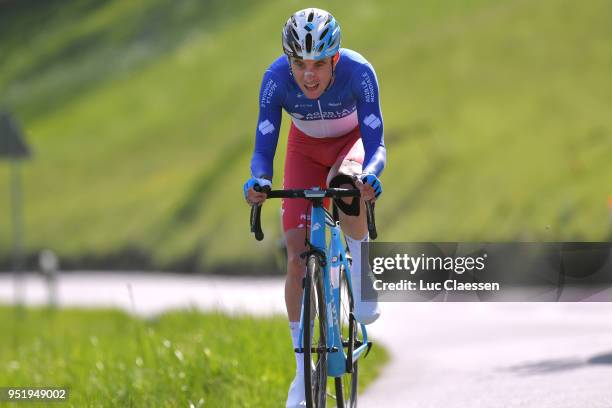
(268, 91)
(372, 121)
(367, 87)
(266, 127)
(326, 114)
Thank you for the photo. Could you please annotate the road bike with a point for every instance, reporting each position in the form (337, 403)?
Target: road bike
(332, 340)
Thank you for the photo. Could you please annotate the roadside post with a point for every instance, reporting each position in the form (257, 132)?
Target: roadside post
(610, 218)
(14, 149)
(48, 264)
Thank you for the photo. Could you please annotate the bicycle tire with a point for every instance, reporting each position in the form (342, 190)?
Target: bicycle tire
(315, 380)
(347, 385)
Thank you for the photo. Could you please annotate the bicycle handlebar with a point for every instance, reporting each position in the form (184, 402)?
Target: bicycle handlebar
(310, 194)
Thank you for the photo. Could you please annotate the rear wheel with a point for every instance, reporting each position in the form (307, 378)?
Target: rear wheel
(315, 351)
(346, 386)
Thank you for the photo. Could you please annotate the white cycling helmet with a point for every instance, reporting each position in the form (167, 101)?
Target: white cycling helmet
(311, 34)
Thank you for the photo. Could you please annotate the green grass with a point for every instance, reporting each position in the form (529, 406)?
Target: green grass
(142, 117)
(108, 358)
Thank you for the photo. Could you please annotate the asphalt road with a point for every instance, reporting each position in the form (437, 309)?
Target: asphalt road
(467, 355)
(443, 355)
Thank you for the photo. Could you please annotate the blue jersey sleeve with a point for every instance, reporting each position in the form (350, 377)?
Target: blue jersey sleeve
(365, 90)
(271, 96)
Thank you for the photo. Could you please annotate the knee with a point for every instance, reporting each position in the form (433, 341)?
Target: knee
(294, 260)
(350, 167)
(295, 265)
(348, 205)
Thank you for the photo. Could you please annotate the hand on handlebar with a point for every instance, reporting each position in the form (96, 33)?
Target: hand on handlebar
(255, 197)
(370, 187)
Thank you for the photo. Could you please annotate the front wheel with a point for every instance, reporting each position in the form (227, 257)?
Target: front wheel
(314, 341)
(346, 386)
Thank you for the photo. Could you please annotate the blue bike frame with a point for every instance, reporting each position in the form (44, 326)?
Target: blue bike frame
(335, 257)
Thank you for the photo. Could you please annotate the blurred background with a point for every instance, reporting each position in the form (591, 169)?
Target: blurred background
(141, 119)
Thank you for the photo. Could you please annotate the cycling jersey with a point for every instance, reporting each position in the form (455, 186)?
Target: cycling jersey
(352, 100)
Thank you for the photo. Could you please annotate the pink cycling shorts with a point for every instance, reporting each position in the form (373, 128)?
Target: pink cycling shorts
(307, 164)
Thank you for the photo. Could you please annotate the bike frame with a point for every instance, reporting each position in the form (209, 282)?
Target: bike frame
(335, 256)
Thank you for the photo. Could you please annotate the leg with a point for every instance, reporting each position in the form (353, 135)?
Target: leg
(296, 268)
(300, 172)
(350, 163)
(353, 227)
(356, 231)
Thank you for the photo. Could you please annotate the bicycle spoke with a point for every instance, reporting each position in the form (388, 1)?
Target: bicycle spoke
(346, 386)
(315, 356)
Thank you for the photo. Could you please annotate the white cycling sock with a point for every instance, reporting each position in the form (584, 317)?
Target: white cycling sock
(295, 334)
(365, 312)
(299, 357)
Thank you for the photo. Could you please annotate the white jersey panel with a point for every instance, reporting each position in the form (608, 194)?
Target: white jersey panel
(327, 127)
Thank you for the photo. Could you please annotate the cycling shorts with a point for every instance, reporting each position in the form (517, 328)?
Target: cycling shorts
(307, 164)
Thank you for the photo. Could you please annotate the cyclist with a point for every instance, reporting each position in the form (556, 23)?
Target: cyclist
(335, 140)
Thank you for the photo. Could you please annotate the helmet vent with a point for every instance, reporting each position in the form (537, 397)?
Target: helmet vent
(308, 42)
(324, 33)
(310, 16)
(295, 35)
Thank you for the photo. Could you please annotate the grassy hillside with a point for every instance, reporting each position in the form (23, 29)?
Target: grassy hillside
(142, 117)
